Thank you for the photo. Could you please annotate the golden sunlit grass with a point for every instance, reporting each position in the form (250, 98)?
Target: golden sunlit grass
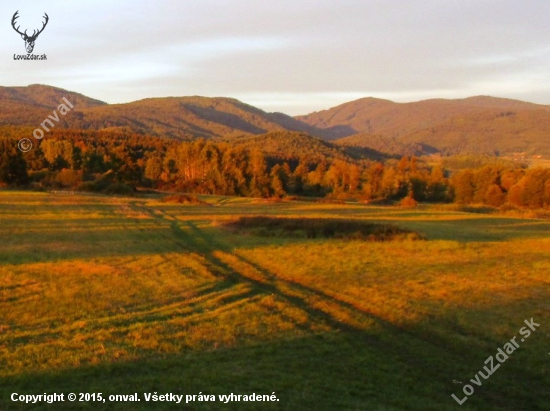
(92, 285)
(409, 282)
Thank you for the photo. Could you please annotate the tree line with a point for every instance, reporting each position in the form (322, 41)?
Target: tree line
(120, 163)
(499, 185)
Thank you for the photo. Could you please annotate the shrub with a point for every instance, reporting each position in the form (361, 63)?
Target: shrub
(321, 228)
(69, 178)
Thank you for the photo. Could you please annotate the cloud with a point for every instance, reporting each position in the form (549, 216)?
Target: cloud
(287, 55)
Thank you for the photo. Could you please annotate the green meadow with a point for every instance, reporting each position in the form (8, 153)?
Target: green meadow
(119, 295)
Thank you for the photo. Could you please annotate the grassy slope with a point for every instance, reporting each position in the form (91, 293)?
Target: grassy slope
(119, 296)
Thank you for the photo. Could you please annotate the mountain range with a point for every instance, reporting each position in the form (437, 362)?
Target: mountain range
(481, 124)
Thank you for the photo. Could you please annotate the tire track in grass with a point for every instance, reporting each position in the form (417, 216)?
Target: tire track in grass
(405, 346)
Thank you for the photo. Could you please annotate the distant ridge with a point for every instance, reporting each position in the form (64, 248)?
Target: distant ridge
(39, 95)
(376, 116)
(174, 117)
(479, 124)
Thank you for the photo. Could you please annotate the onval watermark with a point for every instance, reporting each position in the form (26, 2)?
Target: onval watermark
(25, 144)
(501, 356)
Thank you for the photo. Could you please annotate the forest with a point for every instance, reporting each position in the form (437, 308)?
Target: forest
(118, 162)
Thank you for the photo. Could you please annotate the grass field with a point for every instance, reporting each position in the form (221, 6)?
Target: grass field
(124, 295)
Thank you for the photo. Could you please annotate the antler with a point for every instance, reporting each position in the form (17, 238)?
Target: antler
(13, 21)
(35, 35)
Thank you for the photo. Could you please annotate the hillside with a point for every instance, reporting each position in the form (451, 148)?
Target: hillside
(181, 117)
(480, 124)
(174, 117)
(30, 105)
(366, 127)
(384, 117)
(47, 97)
(388, 145)
(504, 133)
(289, 146)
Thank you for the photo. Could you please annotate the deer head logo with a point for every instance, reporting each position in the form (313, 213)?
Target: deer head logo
(29, 40)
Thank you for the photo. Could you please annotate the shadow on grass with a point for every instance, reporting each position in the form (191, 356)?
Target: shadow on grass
(478, 229)
(332, 371)
(375, 367)
(324, 372)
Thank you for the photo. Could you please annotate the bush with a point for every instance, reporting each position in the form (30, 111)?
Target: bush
(69, 178)
(321, 228)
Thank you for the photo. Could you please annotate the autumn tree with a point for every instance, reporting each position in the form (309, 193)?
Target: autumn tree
(494, 196)
(464, 188)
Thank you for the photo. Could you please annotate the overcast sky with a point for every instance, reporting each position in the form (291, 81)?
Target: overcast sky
(294, 56)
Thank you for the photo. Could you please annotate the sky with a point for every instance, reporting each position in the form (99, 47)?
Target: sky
(292, 56)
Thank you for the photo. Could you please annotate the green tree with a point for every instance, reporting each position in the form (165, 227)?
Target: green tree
(13, 167)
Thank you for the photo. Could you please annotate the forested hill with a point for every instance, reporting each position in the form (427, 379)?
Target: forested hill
(473, 125)
(29, 106)
(189, 117)
(522, 133)
(388, 145)
(184, 118)
(366, 127)
(294, 146)
(46, 97)
(387, 118)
